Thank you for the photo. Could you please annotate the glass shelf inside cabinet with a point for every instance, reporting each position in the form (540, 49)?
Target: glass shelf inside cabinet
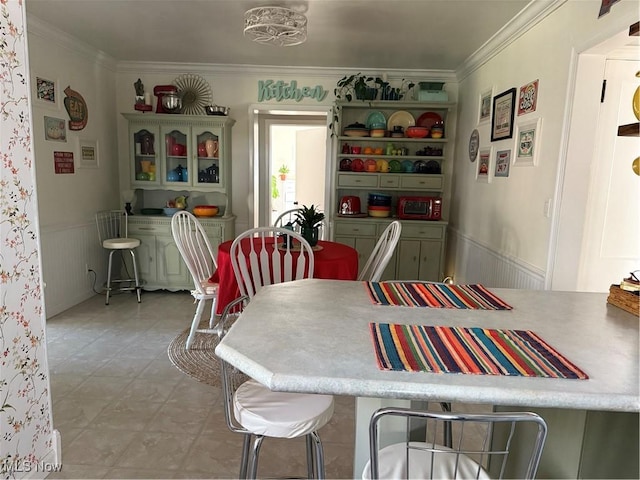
(177, 164)
(145, 157)
(208, 159)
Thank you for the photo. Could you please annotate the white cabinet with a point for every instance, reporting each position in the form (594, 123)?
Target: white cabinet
(180, 152)
(420, 251)
(159, 261)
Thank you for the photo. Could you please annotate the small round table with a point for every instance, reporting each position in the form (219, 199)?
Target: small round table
(334, 261)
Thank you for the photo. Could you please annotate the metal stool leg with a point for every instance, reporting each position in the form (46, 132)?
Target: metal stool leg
(109, 276)
(135, 273)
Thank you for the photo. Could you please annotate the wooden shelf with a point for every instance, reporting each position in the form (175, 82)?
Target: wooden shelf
(630, 130)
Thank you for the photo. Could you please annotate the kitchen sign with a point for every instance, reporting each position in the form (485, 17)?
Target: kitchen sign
(280, 90)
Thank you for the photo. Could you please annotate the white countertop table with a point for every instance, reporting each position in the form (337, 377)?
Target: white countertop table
(312, 336)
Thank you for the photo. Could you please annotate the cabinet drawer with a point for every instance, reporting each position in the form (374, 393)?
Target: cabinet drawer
(345, 180)
(422, 231)
(432, 182)
(149, 229)
(389, 181)
(359, 229)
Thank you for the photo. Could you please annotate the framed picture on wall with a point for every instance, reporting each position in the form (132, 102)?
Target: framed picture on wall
(87, 153)
(503, 160)
(55, 129)
(484, 105)
(527, 143)
(483, 169)
(46, 92)
(503, 112)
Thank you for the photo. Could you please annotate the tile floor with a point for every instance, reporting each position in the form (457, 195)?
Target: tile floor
(124, 411)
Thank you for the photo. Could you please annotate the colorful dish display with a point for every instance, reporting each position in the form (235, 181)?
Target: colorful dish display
(402, 119)
(428, 119)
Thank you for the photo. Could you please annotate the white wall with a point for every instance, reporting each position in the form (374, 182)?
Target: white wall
(506, 216)
(67, 202)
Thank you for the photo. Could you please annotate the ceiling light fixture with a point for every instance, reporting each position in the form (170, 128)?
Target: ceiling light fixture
(275, 26)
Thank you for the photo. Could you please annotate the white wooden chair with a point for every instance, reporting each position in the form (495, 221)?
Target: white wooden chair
(251, 408)
(113, 235)
(195, 249)
(382, 253)
(255, 266)
(484, 442)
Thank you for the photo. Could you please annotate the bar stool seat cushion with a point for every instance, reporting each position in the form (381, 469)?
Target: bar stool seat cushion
(280, 414)
(121, 243)
(392, 463)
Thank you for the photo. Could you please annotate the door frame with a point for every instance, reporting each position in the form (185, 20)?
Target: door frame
(260, 113)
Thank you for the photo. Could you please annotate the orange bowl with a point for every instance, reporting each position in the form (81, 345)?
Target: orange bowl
(205, 210)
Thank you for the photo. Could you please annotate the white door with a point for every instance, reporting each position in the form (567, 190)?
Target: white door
(311, 153)
(611, 245)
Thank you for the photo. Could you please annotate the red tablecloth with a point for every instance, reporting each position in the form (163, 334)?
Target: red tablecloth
(334, 261)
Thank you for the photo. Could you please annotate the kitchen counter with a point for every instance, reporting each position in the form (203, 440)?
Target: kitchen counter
(311, 336)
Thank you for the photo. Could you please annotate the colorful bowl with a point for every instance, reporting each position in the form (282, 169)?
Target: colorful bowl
(417, 132)
(205, 210)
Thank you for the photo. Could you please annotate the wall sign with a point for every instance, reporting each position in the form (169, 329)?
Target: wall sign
(76, 108)
(63, 162)
(280, 90)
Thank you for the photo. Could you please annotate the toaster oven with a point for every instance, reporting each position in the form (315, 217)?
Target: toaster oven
(420, 208)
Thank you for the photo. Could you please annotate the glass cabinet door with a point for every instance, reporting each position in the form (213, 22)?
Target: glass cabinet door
(208, 156)
(146, 157)
(177, 151)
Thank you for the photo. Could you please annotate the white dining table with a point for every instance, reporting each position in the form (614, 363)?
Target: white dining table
(312, 336)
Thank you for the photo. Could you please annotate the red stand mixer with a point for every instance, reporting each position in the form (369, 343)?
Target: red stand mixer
(160, 91)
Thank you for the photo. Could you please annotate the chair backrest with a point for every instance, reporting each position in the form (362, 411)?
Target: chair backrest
(194, 247)
(257, 263)
(112, 224)
(482, 444)
(289, 216)
(382, 253)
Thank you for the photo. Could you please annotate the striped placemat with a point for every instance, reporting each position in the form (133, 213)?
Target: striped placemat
(480, 351)
(436, 295)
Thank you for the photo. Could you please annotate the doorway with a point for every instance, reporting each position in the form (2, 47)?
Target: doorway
(291, 162)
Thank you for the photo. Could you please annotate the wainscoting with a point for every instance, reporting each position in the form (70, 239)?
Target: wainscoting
(476, 263)
(66, 254)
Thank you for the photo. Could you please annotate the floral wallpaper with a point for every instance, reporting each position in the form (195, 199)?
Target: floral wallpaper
(25, 407)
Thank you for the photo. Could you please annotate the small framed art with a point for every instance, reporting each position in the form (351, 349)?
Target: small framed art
(46, 92)
(503, 112)
(484, 106)
(483, 169)
(528, 98)
(503, 160)
(527, 143)
(88, 153)
(55, 129)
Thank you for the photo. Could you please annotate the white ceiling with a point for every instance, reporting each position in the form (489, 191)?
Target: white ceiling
(354, 34)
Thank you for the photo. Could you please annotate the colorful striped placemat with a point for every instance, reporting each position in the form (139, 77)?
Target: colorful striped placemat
(480, 351)
(436, 295)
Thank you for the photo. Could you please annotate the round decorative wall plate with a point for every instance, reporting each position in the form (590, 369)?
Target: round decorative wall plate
(195, 93)
(474, 145)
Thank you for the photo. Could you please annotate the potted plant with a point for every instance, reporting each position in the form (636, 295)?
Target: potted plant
(360, 86)
(309, 219)
(283, 170)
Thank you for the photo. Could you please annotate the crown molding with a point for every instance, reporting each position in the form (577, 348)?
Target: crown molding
(531, 15)
(263, 70)
(44, 30)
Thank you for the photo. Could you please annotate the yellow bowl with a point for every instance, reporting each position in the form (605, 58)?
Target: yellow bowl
(205, 210)
(379, 213)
